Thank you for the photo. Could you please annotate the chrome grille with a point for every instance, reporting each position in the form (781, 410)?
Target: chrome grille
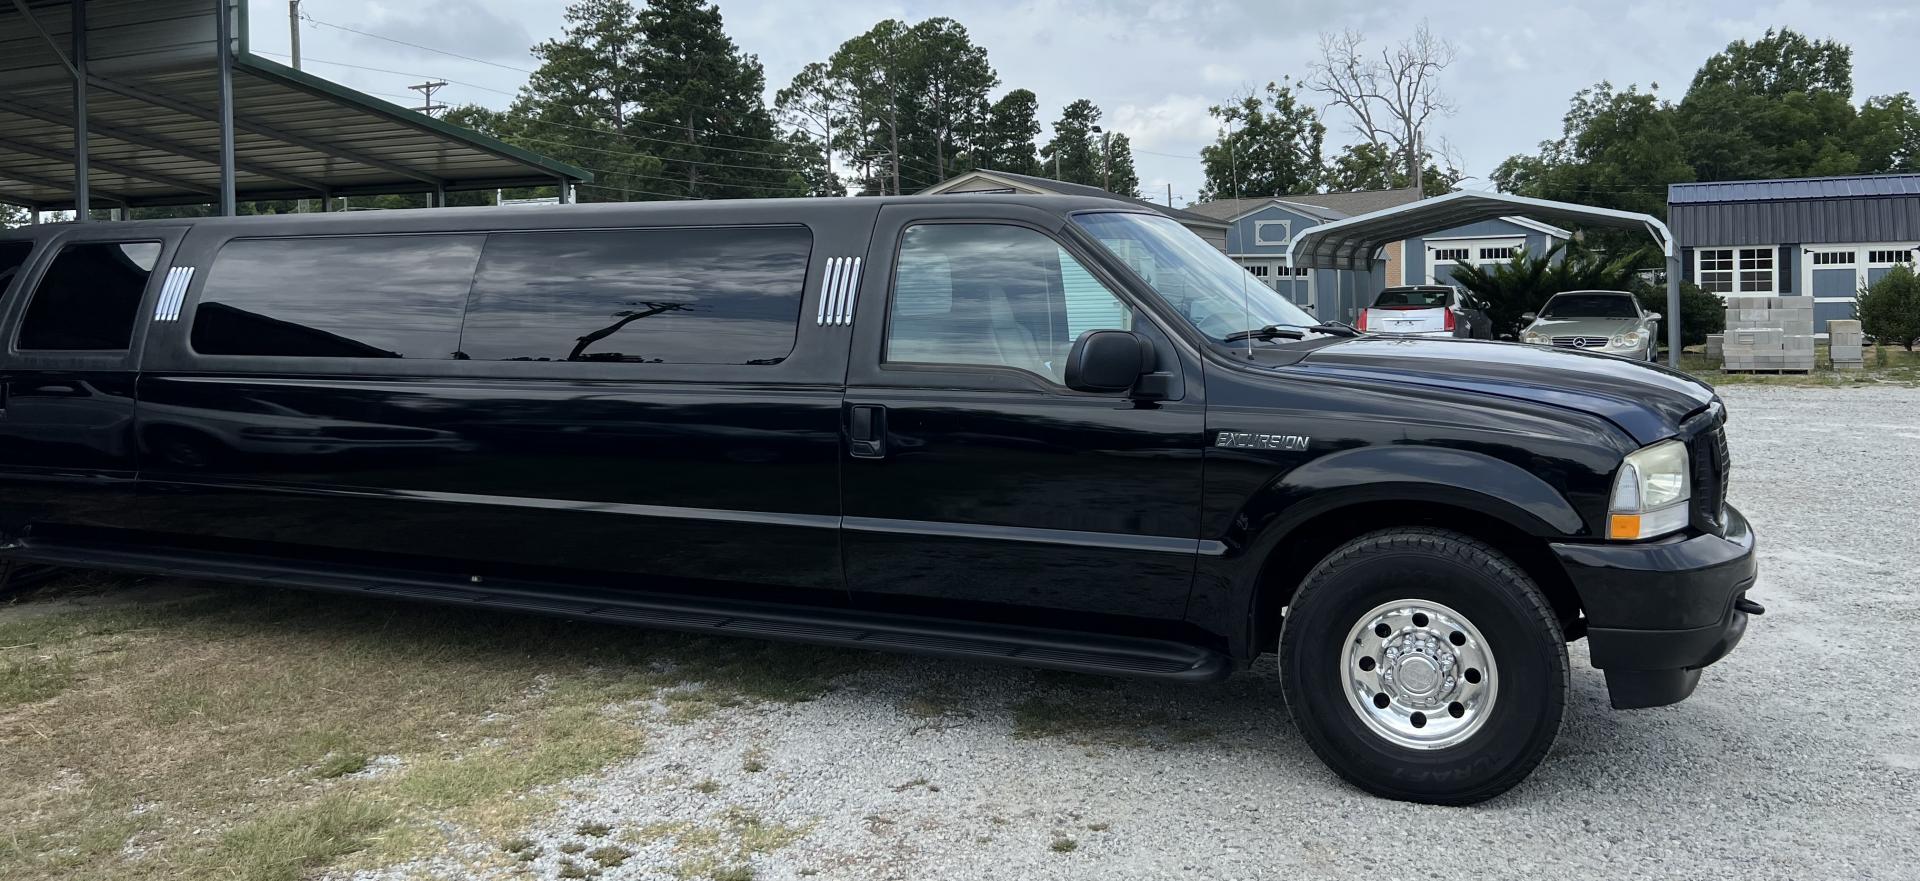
(1580, 342)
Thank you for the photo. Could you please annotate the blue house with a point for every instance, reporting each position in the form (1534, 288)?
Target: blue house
(1822, 237)
(1262, 228)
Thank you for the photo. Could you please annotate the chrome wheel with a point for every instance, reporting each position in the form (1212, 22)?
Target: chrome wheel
(1419, 674)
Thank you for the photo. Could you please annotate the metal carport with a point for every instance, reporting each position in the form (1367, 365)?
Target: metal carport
(1353, 244)
(166, 117)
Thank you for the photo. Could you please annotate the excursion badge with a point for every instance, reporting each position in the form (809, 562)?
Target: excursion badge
(1241, 440)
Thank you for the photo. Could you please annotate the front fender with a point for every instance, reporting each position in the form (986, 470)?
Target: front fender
(1411, 473)
(1228, 582)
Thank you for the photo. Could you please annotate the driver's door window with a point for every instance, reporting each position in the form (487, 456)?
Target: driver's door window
(992, 295)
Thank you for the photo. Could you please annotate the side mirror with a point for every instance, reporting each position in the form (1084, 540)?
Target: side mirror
(1529, 317)
(1653, 316)
(1108, 361)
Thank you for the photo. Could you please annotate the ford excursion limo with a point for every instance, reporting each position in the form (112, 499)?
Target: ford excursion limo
(1056, 431)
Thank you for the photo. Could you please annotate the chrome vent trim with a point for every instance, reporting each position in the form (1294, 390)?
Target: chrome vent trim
(839, 289)
(173, 293)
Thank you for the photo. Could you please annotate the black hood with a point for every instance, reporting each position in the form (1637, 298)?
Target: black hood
(1645, 400)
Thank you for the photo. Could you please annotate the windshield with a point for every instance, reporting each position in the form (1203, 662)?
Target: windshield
(1419, 298)
(1590, 306)
(1216, 295)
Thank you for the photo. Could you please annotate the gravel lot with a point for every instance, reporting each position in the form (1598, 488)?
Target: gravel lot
(1796, 758)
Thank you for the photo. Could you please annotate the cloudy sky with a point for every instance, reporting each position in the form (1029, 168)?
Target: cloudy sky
(1154, 65)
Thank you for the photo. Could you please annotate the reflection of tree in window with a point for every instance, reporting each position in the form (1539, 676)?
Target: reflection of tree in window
(628, 317)
(672, 296)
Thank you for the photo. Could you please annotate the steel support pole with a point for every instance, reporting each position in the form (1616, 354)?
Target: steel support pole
(82, 192)
(566, 194)
(1673, 310)
(223, 35)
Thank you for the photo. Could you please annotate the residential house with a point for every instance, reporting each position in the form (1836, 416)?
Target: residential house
(1211, 229)
(1263, 227)
(1821, 237)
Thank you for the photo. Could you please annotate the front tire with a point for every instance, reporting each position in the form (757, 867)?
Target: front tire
(1424, 665)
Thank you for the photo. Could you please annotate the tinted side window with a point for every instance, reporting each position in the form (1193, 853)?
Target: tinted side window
(13, 257)
(656, 296)
(337, 297)
(996, 296)
(89, 297)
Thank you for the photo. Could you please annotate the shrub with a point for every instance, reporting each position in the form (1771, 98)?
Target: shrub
(1701, 313)
(1889, 309)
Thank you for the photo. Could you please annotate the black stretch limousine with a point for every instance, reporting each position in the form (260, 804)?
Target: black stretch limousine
(1057, 431)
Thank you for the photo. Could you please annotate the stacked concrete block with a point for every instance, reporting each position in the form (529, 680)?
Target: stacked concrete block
(1844, 343)
(1768, 333)
(1715, 345)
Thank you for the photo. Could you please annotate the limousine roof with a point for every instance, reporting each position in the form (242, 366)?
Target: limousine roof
(602, 213)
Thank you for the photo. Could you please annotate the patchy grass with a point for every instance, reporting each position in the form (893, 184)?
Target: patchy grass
(226, 728)
(34, 679)
(1064, 845)
(720, 845)
(610, 855)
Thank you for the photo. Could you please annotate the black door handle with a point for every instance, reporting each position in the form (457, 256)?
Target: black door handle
(867, 431)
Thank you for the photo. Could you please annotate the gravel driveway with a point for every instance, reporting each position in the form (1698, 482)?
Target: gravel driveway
(1797, 758)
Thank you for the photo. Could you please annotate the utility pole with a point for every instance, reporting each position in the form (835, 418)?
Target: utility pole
(1106, 160)
(1169, 195)
(1415, 168)
(427, 89)
(293, 22)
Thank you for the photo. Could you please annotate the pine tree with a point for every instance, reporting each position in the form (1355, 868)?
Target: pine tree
(1073, 154)
(702, 98)
(1012, 124)
(1117, 172)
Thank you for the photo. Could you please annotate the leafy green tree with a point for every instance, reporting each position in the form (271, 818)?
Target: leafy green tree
(1777, 107)
(1074, 153)
(1117, 174)
(1374, 167)
(1889, 309)
(810, 175)
(1007, 143)
(915, 101)
(1266, 148)
(1887, 134)
(1617, 149)
(12, 216)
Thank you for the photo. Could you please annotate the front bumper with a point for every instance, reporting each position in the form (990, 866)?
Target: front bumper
(1659, 611)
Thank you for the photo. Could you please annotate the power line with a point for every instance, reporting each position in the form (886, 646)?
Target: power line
(341, 27)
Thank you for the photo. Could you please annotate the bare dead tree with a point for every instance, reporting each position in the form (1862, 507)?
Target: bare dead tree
(1389, 98)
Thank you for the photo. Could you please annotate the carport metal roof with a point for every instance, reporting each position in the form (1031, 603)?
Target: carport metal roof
(152, 116)
(1352, 243)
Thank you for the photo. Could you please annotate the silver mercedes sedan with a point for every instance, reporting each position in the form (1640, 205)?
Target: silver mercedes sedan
(1609, 322)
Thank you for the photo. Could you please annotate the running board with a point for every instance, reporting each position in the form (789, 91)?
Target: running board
(1052, 649)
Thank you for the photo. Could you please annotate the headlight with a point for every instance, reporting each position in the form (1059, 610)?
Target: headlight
(1629, 339)
(1533, 339)
(1650, 493)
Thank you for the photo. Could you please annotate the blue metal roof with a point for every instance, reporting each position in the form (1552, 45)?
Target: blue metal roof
(1848, 187)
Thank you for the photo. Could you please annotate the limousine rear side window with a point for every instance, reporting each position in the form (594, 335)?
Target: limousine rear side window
(13, 256)
(88, 298)
(994, 296)
(654, 296)
(337, 297)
